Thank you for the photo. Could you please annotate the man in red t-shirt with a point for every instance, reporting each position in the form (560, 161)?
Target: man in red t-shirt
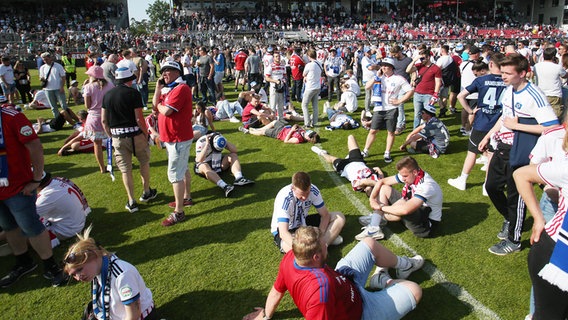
(427, 80)
(297, 65)
(21, 169)
(240, 59)
(322, 293)
(172, 100)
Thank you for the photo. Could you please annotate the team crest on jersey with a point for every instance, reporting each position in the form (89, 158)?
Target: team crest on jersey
(26, 131)
(518, 105)
(126, 292)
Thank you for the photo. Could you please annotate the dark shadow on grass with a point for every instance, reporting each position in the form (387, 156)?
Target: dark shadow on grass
(233, 305)
(438, 303)
(461, 216)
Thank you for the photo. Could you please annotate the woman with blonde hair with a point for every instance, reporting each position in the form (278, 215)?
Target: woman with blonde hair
(94, 92)
(118, 290)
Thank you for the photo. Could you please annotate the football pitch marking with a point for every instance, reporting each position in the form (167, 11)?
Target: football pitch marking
(455, 290)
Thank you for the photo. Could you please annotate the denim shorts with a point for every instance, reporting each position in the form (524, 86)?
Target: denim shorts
(391, 303)
(20, 211)
(178, 159)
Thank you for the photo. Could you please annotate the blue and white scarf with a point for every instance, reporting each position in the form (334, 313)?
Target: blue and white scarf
(556, 271)
(3, 157)
(109, 158)
(102, 310)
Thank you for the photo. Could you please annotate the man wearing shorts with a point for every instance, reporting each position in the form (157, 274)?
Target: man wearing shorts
(7, 80)
(322, 293)
(291, 212)
(123, 120)
(209, 161)
(393, 90)
(489, 87)
(431, 137)
(21, 163)
(172, 99)
(418, 206)
(240, 59)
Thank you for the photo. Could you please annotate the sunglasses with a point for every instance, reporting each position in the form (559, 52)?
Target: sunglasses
(77, 257)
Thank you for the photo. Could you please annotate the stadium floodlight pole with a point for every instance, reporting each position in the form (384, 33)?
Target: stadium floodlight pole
(457, 12)
(413, 13)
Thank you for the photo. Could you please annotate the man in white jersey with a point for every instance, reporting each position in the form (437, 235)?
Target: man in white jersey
(467, 77)
(393, 91)
(526, 114)
(418, 206)
(275, 76)
(291, 212)
(353, 167)
(369, 66)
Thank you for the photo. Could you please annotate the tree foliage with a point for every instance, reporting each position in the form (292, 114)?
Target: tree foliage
(159, 13)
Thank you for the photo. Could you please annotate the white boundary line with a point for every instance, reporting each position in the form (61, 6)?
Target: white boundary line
(455, 290)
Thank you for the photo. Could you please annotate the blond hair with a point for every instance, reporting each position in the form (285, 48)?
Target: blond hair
(87, 246)
(306, 244)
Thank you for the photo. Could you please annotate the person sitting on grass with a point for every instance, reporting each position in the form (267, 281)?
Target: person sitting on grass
(281, 130)
(76, 141)
(75, 93)
(291, 209)
(39, 102)
(209, 161)
(256, 114)
(353, 167)
(202, 120)
(119, 292)
(321, 292)
(431, 137)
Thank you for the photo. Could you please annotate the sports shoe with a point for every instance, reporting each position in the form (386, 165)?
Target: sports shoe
(505, 247)
(434, 153)
(369, 114)
(458, 183)
(370, 231)
(379, 279)
(186, 203)
(319, 151)
(145, 197)
(242, 182)
(453, 110)
(443, 112)
(504, 233)
(387, 158)
(58, 278)
(131, 207)
(337, 241)
(411, 150)
(365, 220)
(228, 189)
(416, 263)
(233, 119)
(173, 218)
(243, 130)
(484, 191)
(481, 160)
(463, 130)
(16, 273)
(364, 154)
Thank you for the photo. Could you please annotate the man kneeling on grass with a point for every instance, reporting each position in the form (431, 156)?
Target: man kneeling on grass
(291, 209)
(320, 292)
(418, 206)
(209, 161)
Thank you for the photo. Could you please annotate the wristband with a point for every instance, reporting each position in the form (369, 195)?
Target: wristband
(435, 95)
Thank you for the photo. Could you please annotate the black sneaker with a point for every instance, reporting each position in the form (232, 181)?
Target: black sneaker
(228, 189)
(242, 182)
(145, 197)
(58, 278)
(16, 273)
(131, 207)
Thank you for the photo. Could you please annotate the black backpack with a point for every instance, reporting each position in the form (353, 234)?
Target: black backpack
(449, 73)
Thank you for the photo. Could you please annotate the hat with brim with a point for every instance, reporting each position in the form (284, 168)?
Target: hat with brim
(430, 109)
(96, 72)
(170, 65)
(389, 62)
(123, 75)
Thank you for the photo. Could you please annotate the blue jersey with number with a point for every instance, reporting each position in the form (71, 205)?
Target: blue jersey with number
(490, 88)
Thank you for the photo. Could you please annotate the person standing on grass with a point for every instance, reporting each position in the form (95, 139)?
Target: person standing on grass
(123, 120)
(526, 114)
(321, 292)
(291, 212)
(312, 87)
(21, 170)
(172, 99)
(94, 92)
(488, 108)
(427, 82)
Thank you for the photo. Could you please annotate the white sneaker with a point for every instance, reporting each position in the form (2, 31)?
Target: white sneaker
(370, 231)
(319, 151)
(481, 160)
(457, 183)
(337, 241)
(484, 167)
(484, 192)
(233, 119)
(416, 263)
(325, 107)
(379, 279)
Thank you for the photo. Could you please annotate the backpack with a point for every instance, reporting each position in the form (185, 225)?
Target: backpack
(449, 73)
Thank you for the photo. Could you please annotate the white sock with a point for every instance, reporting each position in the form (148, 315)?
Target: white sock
(387, 153)
(464, 176)
(365, 150)
(238, 175)
(375, 219)
(402, 263)
(222, 184)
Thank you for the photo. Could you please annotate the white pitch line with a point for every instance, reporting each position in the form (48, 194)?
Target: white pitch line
(455, 290)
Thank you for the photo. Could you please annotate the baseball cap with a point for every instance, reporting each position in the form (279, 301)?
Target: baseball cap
(170, 65)
(474, 50)
(388, 61)
(459, 47)
(430, 109)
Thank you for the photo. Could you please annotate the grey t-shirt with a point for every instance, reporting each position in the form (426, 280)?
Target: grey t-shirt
(253, 64)
(204, 65)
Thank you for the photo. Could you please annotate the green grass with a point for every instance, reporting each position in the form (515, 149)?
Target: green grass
(221, 261)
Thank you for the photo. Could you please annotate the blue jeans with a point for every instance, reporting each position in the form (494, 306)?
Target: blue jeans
(391, 303)
(420, 101)
(297, 90)
(54, 96)
(20, 211)
(401, 120)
